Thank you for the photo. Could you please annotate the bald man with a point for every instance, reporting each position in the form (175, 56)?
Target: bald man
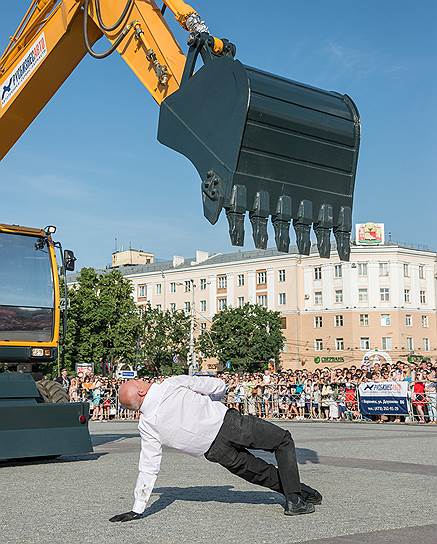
(186, 413)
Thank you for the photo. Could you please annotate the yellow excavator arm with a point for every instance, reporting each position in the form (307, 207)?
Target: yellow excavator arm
(261, 144)
(49, 43)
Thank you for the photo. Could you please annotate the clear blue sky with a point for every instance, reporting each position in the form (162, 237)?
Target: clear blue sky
(91, 165)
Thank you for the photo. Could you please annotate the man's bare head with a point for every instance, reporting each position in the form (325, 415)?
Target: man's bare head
(132, 394)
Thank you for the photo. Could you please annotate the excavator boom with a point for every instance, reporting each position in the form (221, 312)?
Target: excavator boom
(263, 145)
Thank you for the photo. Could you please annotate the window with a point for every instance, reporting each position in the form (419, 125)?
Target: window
(318, 321)
(261, 277)
(173, 287)
(421, 272)
(338, 273)
(407, 295)
(283, 324)
(387, 343)
(202, 284)
(142, 289)
(158, 307)
(338, 296)
(384, 294)
(158, 288)
(385, 320)
(318, 344)
(383, 269)
(222, 282)
(262, 300)
(339, 344)
(318, 297)
(362, 269)
(240, 280)
(281, 275)
(172, 307)
(202, 327)
(422, 297)
(408, 320)
(221, 304)
(282, 298)
(362, 295)
(410, 343)
(365, 343)
(426, 344)
(364, 320)
(425, 322)
(338, 321)
(187, 307)
(406, 271)
(203, 305)
(240, 302)
(188, 286)
(318, 273)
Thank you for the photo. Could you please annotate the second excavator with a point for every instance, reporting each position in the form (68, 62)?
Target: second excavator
(262, 144)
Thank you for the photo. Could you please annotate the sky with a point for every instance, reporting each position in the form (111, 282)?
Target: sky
(91, 165)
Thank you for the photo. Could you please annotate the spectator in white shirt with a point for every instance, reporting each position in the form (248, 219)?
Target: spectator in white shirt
(186, 413)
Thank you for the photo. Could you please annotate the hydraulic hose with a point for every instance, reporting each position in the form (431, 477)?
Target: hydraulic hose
(88, 47)
(118, 22)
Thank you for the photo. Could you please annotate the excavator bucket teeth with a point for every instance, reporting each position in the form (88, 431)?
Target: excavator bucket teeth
(276, 141)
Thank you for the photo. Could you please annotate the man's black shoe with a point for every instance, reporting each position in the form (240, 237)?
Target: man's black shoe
(313, 498)
(298, 507)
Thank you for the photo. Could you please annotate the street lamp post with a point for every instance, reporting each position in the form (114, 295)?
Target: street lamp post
(193, 366)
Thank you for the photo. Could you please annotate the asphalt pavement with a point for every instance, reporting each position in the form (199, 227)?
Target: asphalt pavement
(378, 484)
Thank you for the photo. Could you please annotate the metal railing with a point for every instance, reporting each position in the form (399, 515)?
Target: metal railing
(277, 404)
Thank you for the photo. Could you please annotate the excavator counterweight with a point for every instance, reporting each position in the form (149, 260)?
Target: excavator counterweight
(269, 146)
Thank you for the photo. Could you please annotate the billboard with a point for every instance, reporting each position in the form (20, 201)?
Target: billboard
(377, 398)
(369, 234)
(85, 368)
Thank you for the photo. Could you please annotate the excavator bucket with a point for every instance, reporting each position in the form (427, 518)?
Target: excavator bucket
(269, 146)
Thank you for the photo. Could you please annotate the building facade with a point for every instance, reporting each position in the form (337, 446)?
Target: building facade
(381, 304)
(131, 256)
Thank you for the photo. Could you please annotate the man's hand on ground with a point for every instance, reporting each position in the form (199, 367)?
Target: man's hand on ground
(127, 516)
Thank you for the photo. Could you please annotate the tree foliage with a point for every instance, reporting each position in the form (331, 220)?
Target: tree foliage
(247, 336)
(164, 340)
(103, 322)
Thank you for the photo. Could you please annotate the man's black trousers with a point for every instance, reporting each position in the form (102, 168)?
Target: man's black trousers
(230, 449)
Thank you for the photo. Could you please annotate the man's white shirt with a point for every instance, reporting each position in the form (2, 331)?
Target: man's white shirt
(183, 412)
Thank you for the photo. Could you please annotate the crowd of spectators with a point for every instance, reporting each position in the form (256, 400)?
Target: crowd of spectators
(101, 392)
(329, 394)
(321, 394)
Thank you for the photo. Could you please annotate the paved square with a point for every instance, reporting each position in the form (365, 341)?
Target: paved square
(379, 484)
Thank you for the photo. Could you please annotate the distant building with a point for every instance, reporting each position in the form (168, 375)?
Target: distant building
(131, 257)
(380, 304)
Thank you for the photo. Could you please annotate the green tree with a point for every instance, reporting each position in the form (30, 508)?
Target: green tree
(247, 336)
(103, 321)
(164, 335)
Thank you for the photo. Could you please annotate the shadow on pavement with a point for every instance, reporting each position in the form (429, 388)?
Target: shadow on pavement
(305, 455)
(51, 459)
(221, 493)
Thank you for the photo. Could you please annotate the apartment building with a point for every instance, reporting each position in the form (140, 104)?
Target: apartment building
(382, 303)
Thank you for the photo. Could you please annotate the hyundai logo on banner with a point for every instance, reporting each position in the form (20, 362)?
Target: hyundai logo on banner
(388, 398)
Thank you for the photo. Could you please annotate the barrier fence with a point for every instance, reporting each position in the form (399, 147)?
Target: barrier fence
(401, 401)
